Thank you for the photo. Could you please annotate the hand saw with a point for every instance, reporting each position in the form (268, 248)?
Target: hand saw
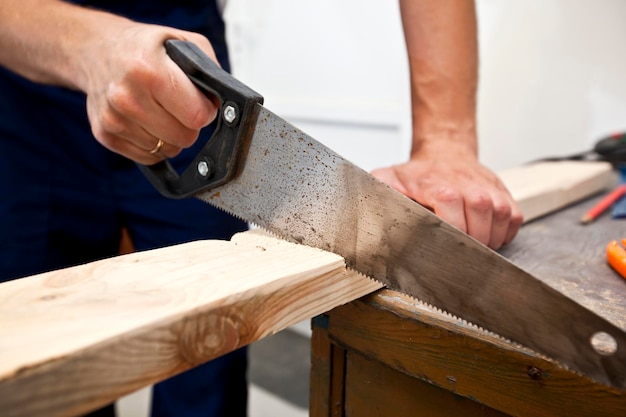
(265, 171)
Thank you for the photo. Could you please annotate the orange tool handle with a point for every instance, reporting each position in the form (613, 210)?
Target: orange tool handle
(616, 257)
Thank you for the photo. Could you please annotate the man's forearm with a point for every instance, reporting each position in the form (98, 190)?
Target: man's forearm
(136, 97)
(42, 39)
(442, 51)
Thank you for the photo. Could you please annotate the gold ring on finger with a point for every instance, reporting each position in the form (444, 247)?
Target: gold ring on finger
(157, 147)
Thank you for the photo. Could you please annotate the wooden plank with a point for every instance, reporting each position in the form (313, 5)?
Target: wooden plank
(544, 187)
(419, 341)
(75, 339)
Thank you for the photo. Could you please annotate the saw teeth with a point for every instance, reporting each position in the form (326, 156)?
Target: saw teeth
(451, 317)
(468, 324)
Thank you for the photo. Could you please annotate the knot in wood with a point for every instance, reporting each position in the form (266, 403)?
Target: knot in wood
(206, 337)
(535, 373)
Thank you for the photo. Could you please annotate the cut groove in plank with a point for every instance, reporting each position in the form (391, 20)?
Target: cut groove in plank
(75, 339)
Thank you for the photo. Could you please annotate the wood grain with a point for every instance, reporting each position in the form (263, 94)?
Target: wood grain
(570, 257)
(78, 338)
(376, 390)
(419, 341)
(75, 339)
(321, 377)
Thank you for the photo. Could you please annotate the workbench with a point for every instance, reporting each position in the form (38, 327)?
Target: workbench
(75, 339)
(389, 355)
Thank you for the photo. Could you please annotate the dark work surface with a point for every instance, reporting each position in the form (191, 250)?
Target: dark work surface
(570, 257)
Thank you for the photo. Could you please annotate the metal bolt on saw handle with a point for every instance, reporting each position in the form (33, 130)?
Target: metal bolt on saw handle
(216, 163)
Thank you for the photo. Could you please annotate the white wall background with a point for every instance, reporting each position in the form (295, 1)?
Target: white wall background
(553, 73)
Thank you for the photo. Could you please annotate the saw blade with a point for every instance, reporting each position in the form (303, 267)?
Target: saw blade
(299, 189)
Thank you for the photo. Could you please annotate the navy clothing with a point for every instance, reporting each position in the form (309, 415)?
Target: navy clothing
(64, 198)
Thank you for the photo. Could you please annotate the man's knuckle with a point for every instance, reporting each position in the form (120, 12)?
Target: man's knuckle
(447, 195)
(480, 201)
(111, 123)
(200, 116)
(121, 98)
(502, 212)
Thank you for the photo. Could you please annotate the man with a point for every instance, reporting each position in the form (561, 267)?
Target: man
(443, 171)
(87, 90)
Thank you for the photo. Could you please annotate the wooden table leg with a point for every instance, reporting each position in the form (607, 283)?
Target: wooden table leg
(327, 372)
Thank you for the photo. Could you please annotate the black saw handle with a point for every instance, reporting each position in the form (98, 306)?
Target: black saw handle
(216, 163)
